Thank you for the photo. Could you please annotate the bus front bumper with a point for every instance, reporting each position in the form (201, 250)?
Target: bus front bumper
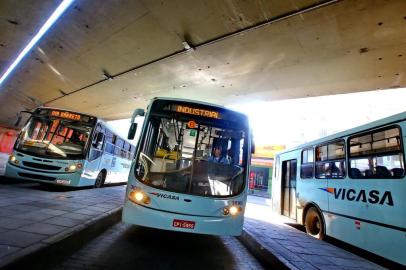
(143, 216)
(64, 179)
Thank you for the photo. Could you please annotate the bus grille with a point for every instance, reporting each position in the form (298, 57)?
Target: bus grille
(37, 176)
(41, 166)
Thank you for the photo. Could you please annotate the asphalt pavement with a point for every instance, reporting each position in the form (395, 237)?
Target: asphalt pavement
(133, 247)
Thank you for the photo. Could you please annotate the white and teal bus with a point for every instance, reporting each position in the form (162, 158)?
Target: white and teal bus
(71, 149)
(190, 169)
(350, 186)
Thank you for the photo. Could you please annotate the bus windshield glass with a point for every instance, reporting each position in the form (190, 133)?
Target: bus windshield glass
(54, 137)
(192, 155)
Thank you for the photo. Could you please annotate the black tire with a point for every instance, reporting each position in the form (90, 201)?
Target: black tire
(314, 223)
(99, 180)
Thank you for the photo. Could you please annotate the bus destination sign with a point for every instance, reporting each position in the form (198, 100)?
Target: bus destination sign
(197, 111)
(67, 115)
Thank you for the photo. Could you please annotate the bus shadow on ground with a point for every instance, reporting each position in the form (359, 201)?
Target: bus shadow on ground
(297, 226)
(55, 188)
(47, 187)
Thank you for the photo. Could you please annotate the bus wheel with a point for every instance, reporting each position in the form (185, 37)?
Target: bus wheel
(99, 180)
(314, 223)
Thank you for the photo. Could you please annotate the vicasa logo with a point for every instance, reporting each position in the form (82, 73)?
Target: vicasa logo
(373, 196)
(165, 196)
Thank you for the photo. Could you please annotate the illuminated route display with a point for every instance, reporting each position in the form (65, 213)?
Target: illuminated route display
(197, 111)
(67, 115)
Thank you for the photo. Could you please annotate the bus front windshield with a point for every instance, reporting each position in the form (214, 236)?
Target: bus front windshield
(191, 157)
(53, 137)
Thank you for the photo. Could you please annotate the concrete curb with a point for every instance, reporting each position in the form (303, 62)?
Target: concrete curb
(53, 249)
(264, 255)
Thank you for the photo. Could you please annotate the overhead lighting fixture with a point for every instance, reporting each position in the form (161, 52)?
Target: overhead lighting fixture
(187, 46)
(51, 20)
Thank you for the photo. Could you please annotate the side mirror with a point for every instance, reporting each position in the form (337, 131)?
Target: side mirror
(17, 122)
(99, 139)
(252, 146)
(19, 117)
(133, 127)
(132, 131)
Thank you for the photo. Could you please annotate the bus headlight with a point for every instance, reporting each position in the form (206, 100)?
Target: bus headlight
(14, 160)
(138, 196)
(232, 210)
(73, 167)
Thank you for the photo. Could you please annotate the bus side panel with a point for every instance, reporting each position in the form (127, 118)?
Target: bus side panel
(361, 212)
(120, 170)
(386, 242)
(108, 162)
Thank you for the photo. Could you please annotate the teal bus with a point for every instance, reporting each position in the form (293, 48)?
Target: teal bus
(350, 186)
(190, 169)
(62, 147)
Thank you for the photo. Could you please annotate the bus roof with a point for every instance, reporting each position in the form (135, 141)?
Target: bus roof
(381, 122)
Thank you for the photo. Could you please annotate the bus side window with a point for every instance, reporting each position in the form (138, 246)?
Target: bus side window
(377, 154)
(119, 145)
(330, 160)
(109, 148)
(306, 168)
(125, 151)
(132, 151)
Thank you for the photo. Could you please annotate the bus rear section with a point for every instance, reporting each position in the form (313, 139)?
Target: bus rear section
(349, 186)
(190, 169)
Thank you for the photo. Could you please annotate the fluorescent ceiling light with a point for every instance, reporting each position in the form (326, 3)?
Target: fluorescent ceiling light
(51, 20)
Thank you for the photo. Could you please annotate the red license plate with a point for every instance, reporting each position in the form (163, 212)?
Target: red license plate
(183, 224)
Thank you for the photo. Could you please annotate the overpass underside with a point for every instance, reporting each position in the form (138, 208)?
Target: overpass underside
(111, 57)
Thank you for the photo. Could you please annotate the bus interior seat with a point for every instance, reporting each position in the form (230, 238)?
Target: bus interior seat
(335, 171)
(382, 172)
(368, 173)
(355, 173)
(398, 172)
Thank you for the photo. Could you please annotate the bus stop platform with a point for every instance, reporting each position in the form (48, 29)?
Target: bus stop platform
(269, 237)
(39, 223)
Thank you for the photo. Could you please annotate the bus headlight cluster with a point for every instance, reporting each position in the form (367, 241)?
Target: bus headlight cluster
(73, 167)
(232, 210)
(138, 196)
(13, 160)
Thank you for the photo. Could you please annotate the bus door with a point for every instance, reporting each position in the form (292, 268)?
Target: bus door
(95, 152)
(289, 188)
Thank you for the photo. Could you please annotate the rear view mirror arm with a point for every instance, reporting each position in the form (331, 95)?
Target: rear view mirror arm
(19, 117)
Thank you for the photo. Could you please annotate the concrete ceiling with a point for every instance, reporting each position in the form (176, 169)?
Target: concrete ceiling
(109, 57)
